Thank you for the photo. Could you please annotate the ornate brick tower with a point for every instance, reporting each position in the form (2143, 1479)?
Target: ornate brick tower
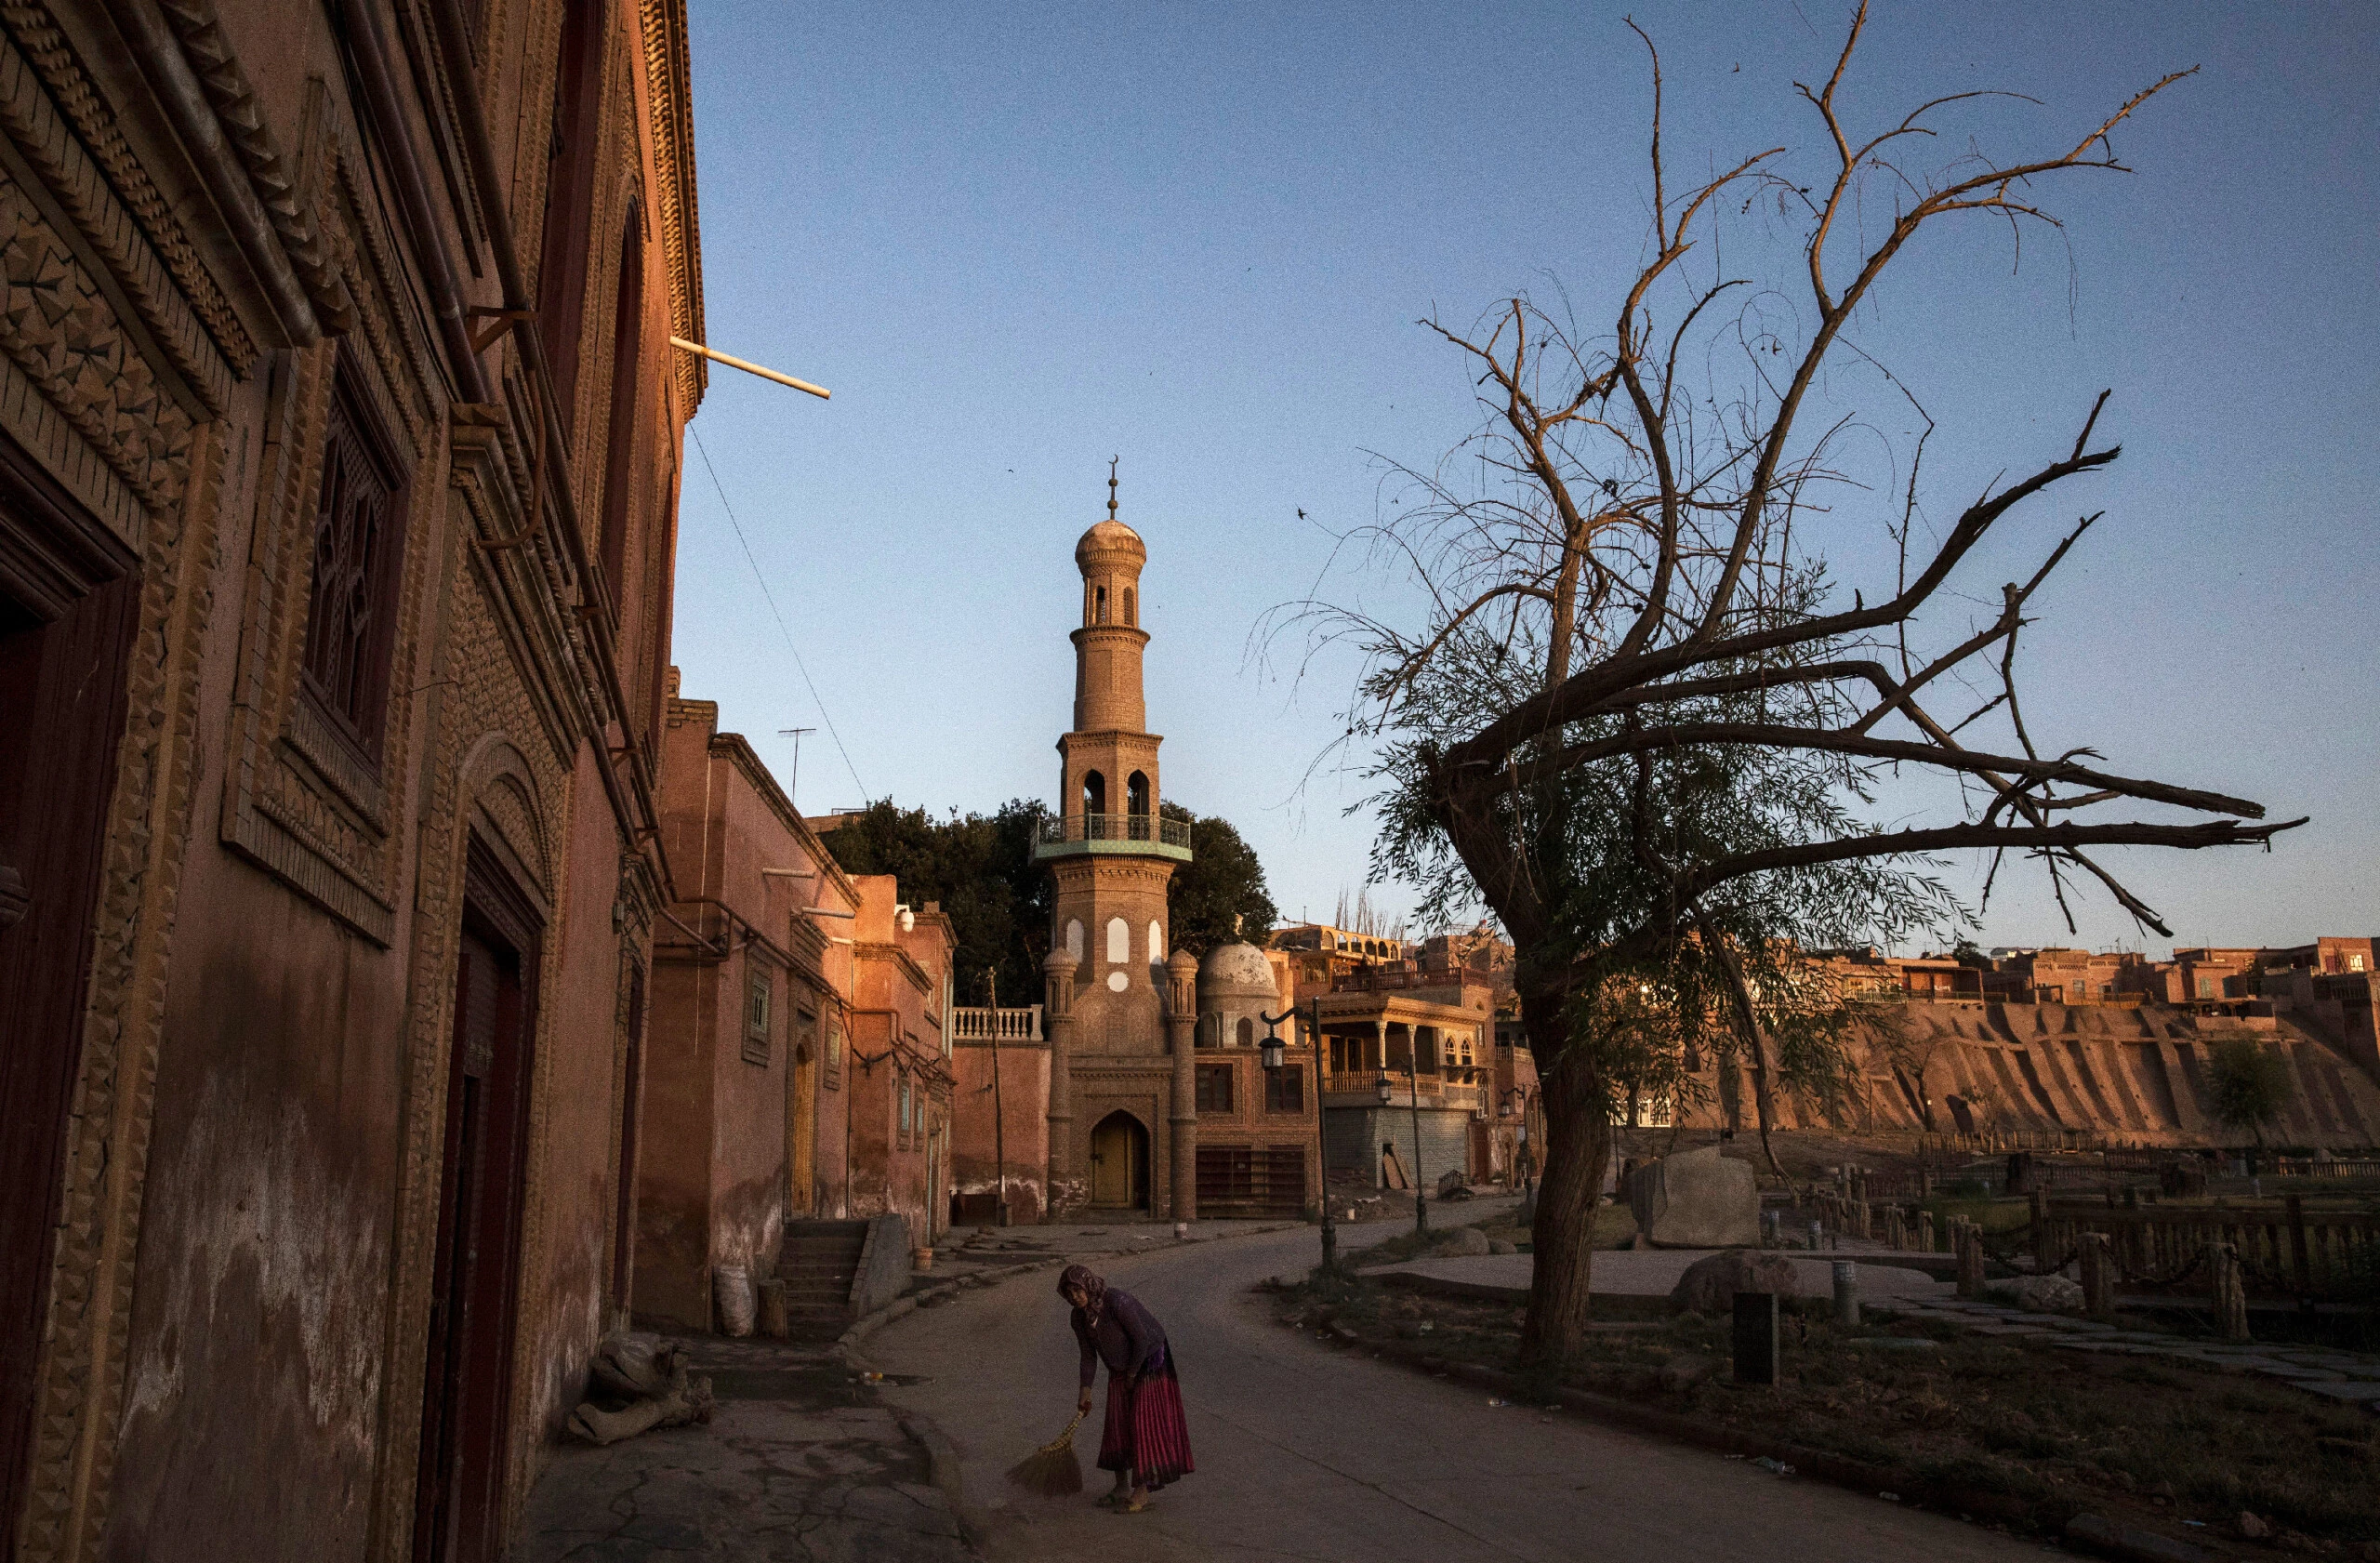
(1122, 1131)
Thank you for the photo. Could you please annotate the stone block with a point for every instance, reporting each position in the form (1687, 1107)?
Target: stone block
(1696, 1199)
(1464, 1243)
(2041, 1294)
(1710, 1285)
(884, 1260)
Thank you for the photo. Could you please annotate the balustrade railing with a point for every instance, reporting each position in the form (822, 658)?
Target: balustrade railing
(979, 1024)
(1117, 827)
(1457, 1086)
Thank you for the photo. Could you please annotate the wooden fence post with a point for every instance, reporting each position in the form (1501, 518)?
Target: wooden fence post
(2300, 1263)
(2231, 1291)
(2099, 1277)
(1926, 1232)
(1970, 1251)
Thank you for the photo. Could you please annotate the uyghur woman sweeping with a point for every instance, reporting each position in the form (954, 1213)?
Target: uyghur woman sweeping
(1146, 1443)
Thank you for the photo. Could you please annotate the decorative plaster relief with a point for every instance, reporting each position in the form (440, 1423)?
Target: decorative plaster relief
(70, 129)
(59, 330)
(79, 1394)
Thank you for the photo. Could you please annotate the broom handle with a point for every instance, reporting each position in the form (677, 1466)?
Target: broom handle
(1055, 1443)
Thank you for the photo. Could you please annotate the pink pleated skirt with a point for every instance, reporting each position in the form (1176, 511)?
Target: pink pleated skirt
(1145, 1432)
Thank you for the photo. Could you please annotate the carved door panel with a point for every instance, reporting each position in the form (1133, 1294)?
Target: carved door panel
(467, 1376)
(69, 599)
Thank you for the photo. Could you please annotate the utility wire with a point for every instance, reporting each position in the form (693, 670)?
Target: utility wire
(705, 452)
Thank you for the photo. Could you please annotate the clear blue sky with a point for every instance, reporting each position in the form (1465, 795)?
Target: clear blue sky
(1017, 241)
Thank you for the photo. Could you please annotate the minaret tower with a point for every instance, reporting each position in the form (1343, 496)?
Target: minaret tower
(1112, 855)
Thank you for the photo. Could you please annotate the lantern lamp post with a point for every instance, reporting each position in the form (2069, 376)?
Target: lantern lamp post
(1528, 1160)
(1270, 1053)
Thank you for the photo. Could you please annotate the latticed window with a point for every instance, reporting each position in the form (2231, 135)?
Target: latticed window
(1285, 1089)
(1215, 1088)
(756, 1017)
(357, 555)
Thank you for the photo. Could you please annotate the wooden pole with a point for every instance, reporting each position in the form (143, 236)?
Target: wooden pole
(2099, 1277)
(748, 367)
(2231, 1291)
(1000, 1116)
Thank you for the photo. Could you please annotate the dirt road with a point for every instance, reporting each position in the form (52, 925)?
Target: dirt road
(1309, 1453)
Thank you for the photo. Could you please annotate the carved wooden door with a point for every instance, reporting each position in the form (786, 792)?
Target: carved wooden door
(468, 1374)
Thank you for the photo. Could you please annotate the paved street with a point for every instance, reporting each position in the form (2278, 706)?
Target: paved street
(799, 1464)
(1305, 1452)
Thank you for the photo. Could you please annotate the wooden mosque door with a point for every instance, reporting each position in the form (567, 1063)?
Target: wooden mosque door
(1120, 1162)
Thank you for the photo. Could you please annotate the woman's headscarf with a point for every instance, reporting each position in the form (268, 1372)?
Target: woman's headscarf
(1094, 1289)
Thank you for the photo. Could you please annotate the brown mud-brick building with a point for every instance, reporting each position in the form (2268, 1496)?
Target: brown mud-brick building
(1258, 1153)
(885, 1124)
(339, 443)
(752, 977)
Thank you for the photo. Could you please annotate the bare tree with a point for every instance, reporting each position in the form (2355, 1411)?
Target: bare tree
(1638, 721)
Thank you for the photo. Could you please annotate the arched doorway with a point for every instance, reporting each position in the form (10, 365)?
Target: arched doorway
(1120, 1164)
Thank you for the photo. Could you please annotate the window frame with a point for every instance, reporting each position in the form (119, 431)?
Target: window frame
(760, 1012)
(359, 718)
(1204, 1093)
(1285, 1089)
(621, 417)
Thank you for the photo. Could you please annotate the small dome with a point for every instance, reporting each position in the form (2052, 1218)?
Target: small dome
(1108, 540)
(1235, 972)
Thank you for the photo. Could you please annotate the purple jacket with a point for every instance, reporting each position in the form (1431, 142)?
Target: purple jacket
(1128, 1339)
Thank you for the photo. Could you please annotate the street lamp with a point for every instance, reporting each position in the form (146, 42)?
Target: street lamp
(1270, 1053)
(1528, 1160)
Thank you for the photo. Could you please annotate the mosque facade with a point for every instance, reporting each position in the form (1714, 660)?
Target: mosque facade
(1120, 1012)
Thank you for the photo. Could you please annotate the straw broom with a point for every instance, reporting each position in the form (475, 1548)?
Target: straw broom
(1053, 1470)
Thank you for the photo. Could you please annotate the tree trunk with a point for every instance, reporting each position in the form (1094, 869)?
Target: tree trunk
(1749, 1027)
(1578, 1133)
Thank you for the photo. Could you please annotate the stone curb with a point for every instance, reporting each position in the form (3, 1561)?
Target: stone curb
(942, 1456)
(2090, 1531)
(869, 1324)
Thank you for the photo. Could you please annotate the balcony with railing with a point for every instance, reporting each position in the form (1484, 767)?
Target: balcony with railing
(1152, 835)
(977, 1024)
(1460, 1089)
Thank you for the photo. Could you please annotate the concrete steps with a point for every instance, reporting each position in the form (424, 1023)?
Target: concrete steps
(817, 1263)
